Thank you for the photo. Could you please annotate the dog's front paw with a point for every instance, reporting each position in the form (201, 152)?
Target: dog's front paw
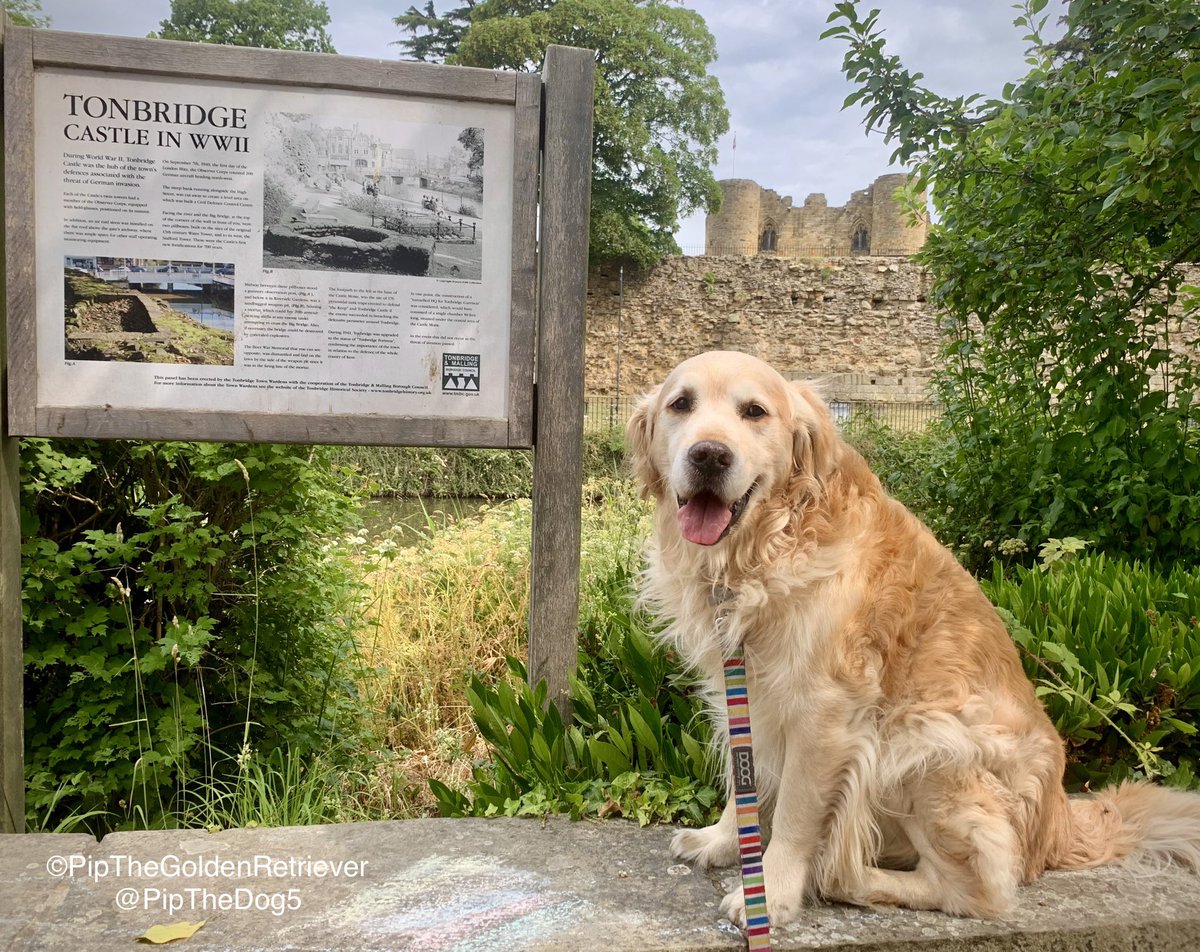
(785, 899)
(786, 880)
(706, 848)
(733, 907)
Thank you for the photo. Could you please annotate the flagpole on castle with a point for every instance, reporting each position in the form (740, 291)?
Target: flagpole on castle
(734, 175)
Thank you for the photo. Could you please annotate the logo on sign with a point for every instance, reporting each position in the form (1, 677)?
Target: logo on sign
(460, 373)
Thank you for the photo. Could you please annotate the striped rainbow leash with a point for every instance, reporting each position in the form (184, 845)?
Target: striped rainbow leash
(745, 793)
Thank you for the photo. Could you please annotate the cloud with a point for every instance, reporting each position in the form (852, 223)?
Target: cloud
(783, 85)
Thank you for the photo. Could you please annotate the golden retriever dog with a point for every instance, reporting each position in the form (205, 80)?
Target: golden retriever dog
(901, 753)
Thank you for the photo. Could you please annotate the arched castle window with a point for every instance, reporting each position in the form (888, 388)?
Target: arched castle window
(860, 240)
(766, 241)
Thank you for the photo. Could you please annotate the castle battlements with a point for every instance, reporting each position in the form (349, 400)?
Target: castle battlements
(754, 220)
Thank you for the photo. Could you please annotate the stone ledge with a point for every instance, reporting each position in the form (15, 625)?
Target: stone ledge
(516, 886)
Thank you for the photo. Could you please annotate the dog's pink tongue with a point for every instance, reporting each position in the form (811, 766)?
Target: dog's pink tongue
(703, 518)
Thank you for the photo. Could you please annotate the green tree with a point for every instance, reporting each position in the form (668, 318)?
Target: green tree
(270, 24)
(1065, 208)
(26, 13)
(434, 37)
(658, 111)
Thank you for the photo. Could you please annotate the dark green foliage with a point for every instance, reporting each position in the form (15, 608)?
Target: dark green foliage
(433, 37)
(183, 603)
(1114, 648)
(268, 24)
(638, 747)
(1065, 208)
(910, 465)
(658, 112)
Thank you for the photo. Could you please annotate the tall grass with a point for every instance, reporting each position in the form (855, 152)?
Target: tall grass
(410, 471)
(281, 788)
(454, 605)
(451, 472)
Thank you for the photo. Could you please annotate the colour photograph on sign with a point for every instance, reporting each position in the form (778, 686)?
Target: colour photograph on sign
(145, 309)
(249, 248)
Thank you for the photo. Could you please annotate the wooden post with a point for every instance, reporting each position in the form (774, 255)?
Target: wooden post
(12, 673)
(567, 89)
(12, 713)
(559, 275)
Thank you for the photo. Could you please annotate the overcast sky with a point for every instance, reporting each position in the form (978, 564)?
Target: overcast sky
(784, 88)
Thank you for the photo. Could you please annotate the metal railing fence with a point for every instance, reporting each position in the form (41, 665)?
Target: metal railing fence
(605, 414)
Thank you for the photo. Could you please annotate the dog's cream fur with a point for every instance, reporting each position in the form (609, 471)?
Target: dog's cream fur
(902, 755)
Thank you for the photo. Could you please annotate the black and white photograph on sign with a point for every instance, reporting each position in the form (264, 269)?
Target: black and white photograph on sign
(391, 197)
(148, 310)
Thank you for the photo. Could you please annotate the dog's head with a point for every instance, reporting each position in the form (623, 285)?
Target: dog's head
(723, 434)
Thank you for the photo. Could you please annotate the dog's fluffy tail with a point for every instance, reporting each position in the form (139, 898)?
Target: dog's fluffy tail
(1139, 823)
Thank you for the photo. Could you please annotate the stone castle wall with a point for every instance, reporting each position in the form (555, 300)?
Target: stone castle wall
(757, 221)
(860, 323)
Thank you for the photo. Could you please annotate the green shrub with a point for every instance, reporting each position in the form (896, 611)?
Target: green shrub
(1069, 375)
(910, 465)
(185, 605)
(1114, 648)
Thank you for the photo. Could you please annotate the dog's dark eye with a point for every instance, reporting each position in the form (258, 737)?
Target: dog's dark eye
(681, 404)
(753, 411)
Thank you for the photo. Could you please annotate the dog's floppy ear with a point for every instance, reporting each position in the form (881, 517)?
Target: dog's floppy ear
(816, 446)
(639, 432)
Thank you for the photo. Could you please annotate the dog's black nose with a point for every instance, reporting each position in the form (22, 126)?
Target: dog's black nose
(710, 457)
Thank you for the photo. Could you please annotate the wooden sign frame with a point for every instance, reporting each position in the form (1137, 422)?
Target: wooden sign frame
(30, 414)
(551, 174)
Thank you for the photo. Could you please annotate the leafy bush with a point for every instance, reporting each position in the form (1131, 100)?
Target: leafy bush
(918, 469)
(1069, 378)
(1114, 648)
(184, 605)
(638, 746)
(909, 464)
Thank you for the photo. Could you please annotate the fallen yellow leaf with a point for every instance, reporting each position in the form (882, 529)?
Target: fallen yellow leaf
(157, 935)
